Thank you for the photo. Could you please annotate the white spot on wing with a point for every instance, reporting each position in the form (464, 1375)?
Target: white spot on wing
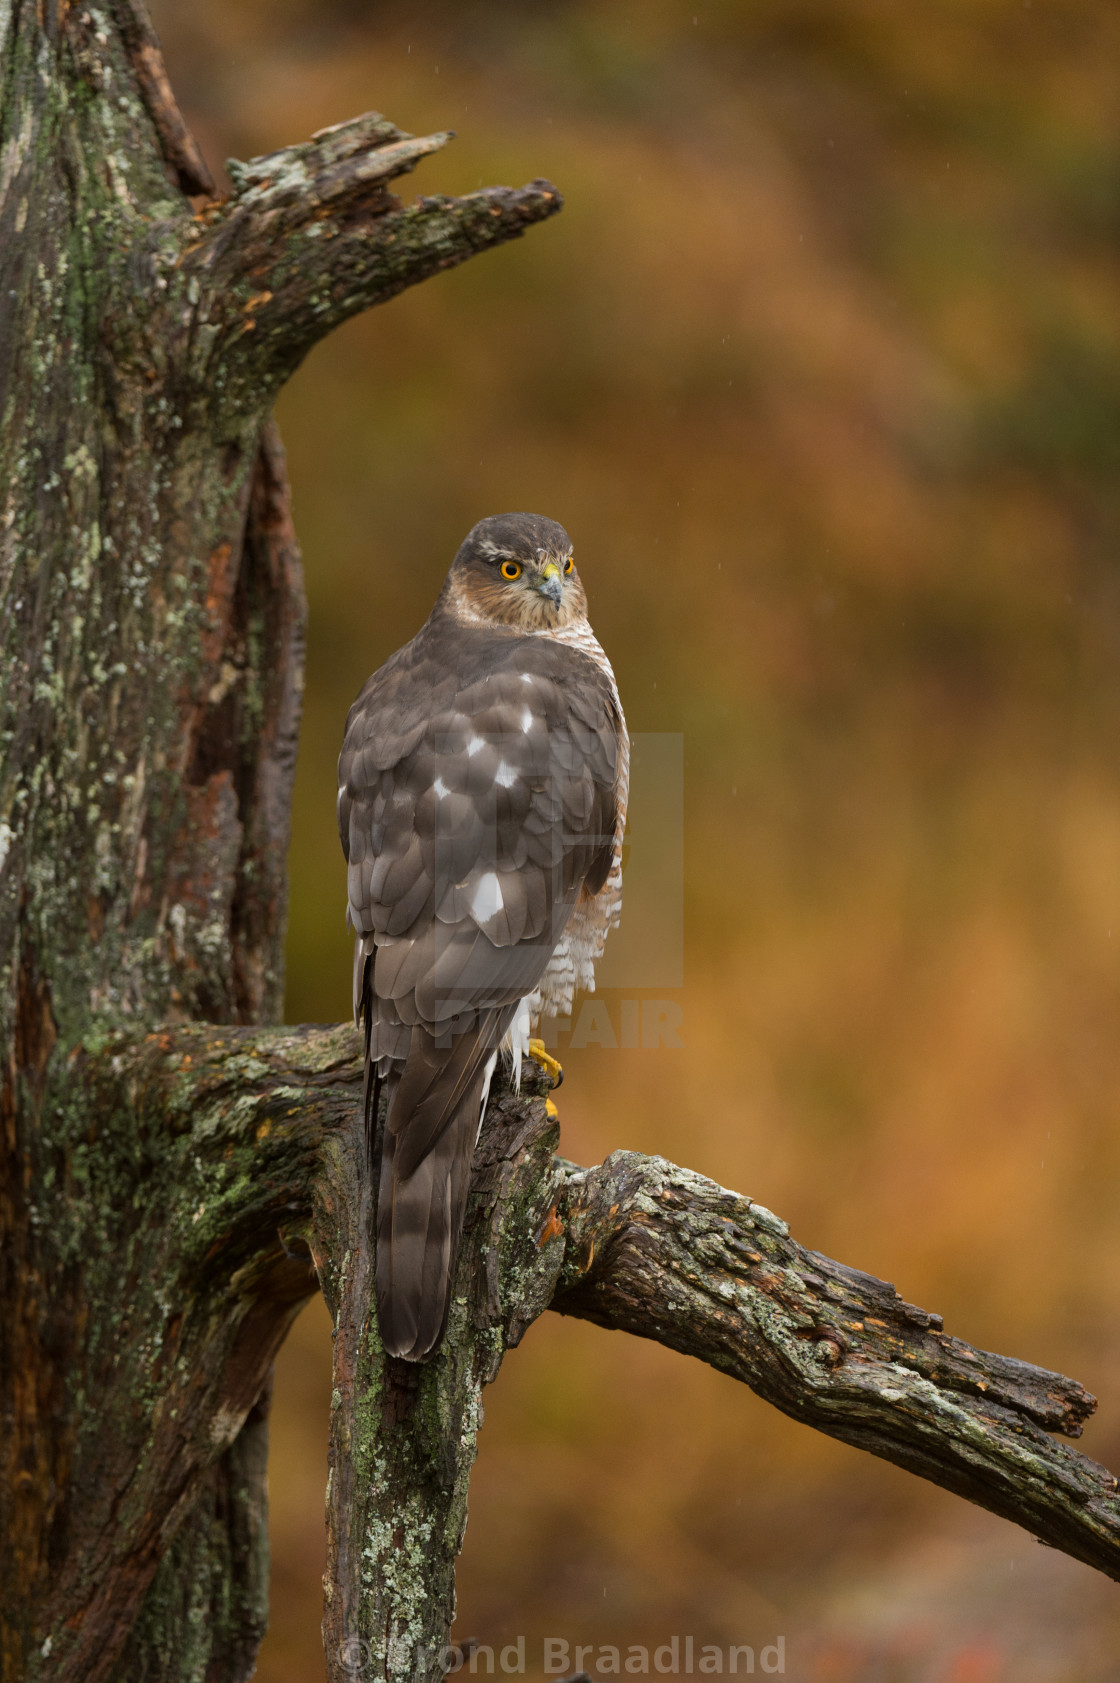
(487, 899)
(475, 746)
(505, 775)
(440, 788)
(526, 719)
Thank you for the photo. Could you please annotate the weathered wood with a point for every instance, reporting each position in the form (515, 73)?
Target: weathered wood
(141, 348)
(177, 1187)
(662, 1252)
(402, 1435)
(151, 626)
(267, 1154)
(238, 1156)
(180, 149)
(312, 235)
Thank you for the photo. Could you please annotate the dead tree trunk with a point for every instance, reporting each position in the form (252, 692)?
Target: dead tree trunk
(152, 626)
(177, 1177)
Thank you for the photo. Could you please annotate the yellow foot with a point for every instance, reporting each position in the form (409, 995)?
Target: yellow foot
(547, 1062)
(550, 1110)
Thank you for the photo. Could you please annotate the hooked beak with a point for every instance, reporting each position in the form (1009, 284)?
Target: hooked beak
(549, 582)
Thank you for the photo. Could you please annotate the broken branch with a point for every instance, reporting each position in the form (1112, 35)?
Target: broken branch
(312, 235)
(664, 1253)
(265, 1170)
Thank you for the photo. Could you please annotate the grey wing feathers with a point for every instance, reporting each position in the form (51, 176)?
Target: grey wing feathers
(470, 831)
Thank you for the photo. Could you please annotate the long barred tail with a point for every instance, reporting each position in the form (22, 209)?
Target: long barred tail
(420, 1160)
(419, 1222)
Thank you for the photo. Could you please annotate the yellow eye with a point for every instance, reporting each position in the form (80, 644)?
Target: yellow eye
(511, 569)
(569, 564)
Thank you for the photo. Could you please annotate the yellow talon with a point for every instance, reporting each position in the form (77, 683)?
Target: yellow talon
(550, 1110)
(547, 1062)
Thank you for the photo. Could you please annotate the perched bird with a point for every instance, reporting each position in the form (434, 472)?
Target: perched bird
(481, 805)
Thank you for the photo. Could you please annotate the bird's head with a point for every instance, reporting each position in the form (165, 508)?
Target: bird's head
(516, 570)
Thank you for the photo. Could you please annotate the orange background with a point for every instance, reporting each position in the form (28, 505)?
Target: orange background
(820, 367)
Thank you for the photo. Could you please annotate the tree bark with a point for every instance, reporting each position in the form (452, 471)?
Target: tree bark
(260, 1196)
(177, 1177)
(150, 673)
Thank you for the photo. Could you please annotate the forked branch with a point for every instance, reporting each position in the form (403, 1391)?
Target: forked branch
(659, 1251)
(271, 1157)
(313, 234)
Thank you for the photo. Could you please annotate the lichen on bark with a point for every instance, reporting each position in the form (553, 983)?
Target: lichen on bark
(151, 625)
(259, 1196)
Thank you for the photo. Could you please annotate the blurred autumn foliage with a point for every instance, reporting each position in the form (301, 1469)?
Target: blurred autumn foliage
(820, 366)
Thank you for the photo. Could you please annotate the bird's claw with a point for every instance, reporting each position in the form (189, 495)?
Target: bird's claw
(547, 1062)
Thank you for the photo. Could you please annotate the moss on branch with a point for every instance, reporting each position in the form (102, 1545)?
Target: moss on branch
(263, 1169)
(312, 235)
(151, 622)
(661, 1252)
